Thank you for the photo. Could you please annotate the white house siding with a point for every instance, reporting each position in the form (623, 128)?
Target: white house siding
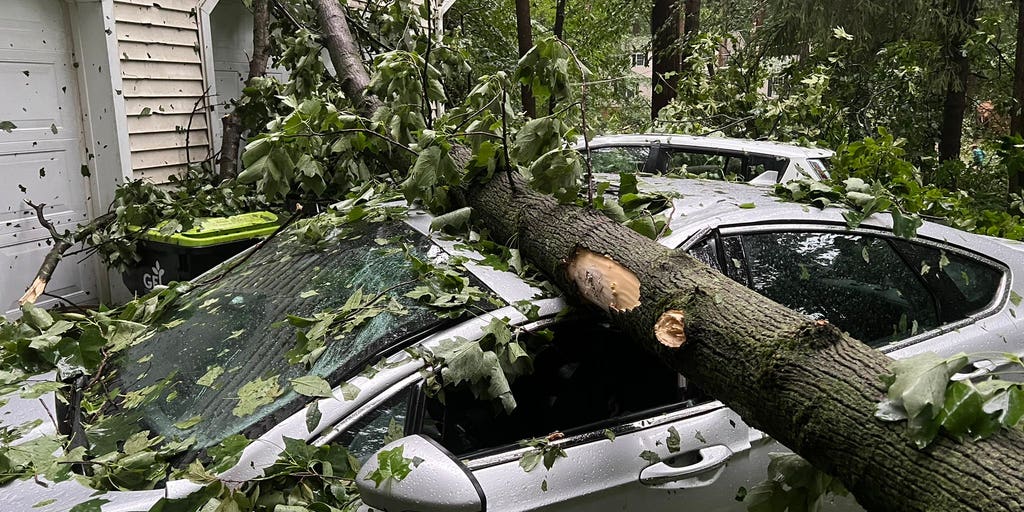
(164, 87)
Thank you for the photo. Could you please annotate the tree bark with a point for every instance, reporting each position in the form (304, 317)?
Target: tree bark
(691, 27)
(232, 123)
(524, 33)
(803, 382)
(1017, 114)
(665, 58)
(955, 104)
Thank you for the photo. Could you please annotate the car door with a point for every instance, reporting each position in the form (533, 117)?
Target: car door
(635, 435)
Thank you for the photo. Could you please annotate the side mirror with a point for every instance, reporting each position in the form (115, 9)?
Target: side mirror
(437, 483)
(765, 178)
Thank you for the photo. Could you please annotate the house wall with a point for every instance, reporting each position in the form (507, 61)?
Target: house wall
(163, 85)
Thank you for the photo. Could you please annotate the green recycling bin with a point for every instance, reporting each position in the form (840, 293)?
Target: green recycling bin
(185, 255)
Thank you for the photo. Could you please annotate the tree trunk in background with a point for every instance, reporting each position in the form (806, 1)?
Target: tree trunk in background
(691, 27)
(803, 382)
(232, 133)
(665, 58)
(524, 33)
(558, 30)
(955, 105)
(1017, 114)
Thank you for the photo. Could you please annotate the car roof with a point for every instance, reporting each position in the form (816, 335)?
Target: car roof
(701, 205)
(718, 143)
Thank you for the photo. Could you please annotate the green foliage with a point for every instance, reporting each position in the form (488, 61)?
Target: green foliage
(392, 466)
(920, 391)
(793, 485)
(487, 366)
(542, 450)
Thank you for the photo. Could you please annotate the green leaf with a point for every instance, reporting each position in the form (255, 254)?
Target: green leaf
(537, 137)
(530, 460)
(747, 206)
(93, 505)
(189, 423)
(392, 465)
(313, 416)
(917, 386)
(962, 415)
(7, 126)
(627, 184)
(211, 375)
(650, 456)
(609, 434)
(1015, 298)
(313, 386)
(456, 219)
(349, 391)
(558, 173)
(672, 442)
(42, 388)
(256, 394)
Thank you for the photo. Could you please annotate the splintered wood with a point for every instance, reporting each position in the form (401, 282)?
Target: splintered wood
(604, 282)
(670, 329)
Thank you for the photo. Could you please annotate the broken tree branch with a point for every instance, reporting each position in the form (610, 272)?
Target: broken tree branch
(61, 243)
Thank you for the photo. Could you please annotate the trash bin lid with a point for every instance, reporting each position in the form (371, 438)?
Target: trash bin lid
(209, 231)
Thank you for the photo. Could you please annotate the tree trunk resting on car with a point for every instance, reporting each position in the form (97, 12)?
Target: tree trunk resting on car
(803, 382)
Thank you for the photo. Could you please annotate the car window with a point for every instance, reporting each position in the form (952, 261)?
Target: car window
(619, 159)
(861, 284)
(961, 285)
(878, 289)
(695, 164)
(582, 381)
(377, 428)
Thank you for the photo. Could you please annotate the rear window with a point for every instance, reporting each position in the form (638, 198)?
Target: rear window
(229, 334)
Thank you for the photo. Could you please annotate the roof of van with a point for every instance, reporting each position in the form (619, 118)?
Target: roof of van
(720, 143)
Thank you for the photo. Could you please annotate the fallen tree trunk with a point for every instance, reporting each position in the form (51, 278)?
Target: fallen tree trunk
(803, 382)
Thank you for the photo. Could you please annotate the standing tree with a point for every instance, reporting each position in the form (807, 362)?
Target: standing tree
(666, 64)
(524, 33)
(1017, 112)
(962, 15)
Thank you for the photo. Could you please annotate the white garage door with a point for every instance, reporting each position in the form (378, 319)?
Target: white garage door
(41, 154)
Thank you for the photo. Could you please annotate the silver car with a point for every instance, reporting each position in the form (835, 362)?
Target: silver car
(612, 410)
(717, 158)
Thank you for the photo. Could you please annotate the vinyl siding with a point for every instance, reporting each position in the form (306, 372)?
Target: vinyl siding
(163, 85)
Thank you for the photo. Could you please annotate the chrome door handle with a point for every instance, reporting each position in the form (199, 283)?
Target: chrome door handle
(711, 458)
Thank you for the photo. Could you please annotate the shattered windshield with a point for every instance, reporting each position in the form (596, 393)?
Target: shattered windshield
(223, 362)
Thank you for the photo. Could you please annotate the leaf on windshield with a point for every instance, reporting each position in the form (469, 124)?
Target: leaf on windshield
(211, 375)
(311, 385)
(256, 394)
(189, 423)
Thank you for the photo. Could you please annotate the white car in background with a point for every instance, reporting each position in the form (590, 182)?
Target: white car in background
(719, 158)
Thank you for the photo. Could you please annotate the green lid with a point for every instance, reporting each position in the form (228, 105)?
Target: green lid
(209, 231)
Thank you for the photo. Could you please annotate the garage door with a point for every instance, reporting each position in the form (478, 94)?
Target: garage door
(40, 149)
